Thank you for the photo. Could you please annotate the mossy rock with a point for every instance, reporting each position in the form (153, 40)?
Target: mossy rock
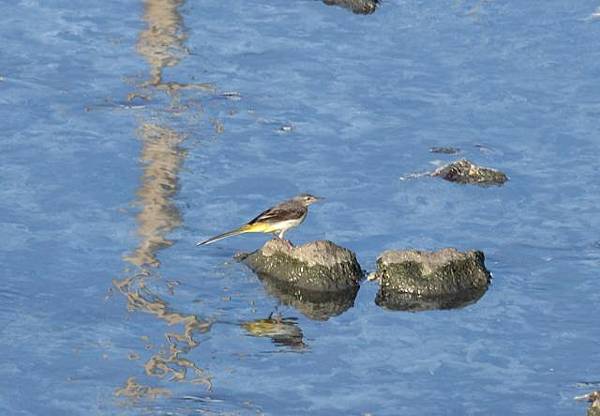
(319, 266)
(466, 172)
(356, 6)
(421, 280)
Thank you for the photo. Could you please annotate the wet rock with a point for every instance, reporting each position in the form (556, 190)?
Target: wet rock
(320, 279)
(316, 266)
(464, 171)
(356, 6)
(282, 331)
(594, 399)
(594, 409)
(444, 150)
(316, 305)
(413, 280)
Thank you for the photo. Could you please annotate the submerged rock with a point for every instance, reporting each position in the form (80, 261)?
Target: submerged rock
(447, 150)
(317, 266)
(420, 280)
(464, 171)
(357, 6)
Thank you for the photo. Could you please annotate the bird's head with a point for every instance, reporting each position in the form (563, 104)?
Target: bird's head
(307, 199)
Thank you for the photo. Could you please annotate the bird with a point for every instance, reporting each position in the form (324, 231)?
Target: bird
(275, 220)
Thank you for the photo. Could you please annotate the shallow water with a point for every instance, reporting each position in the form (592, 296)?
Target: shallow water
(132, 130)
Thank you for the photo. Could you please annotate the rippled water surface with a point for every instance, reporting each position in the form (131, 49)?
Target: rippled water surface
(132, 129)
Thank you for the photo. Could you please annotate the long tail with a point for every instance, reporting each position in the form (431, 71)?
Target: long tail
(231, 233)
(247, 228)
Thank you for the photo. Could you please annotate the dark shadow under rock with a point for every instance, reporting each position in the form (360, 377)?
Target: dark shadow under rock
(356, 6)
(414, 303)
(316, 305)
(320, 266)
(414, 280)
(465, 172)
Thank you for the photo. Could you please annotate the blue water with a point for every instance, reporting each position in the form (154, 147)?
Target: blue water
(130, 130)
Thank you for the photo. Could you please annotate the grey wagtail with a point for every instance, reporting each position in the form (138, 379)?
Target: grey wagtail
(276, 220)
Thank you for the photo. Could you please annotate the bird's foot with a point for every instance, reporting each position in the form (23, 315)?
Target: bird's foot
(283, 240)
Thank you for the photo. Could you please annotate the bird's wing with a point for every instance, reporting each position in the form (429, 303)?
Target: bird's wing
(281, 212)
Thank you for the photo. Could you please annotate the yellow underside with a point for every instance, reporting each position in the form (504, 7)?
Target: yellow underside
(260, 228)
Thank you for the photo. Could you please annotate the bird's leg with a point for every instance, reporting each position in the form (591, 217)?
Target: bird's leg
(280, 236)
(275, 313)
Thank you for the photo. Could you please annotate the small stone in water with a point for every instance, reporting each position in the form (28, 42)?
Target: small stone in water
(445, 150)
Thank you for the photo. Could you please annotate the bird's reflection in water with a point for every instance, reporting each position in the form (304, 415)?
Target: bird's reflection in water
(356, 6)
(282, 331)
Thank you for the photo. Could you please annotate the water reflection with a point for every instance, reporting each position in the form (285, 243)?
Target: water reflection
(356, 6)
(413, 303)
(135, 391)
(315, 305)
(162, 158)
(282, 331)
(162, 45)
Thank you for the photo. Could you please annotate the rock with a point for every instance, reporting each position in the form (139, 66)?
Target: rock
(464, 171)
(320, 279)
(445, 150)
(356, 6)
(316, 266)
(421, 280)
(594, 409)
(594, 399)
